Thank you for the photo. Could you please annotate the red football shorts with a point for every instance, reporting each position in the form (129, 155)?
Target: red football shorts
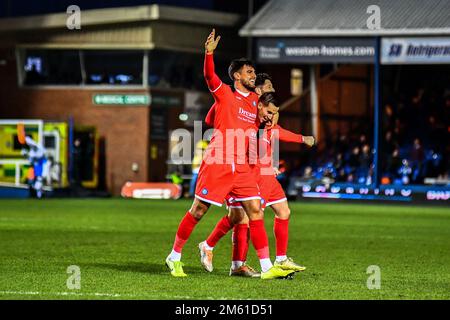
(216, 181)
(270, 190)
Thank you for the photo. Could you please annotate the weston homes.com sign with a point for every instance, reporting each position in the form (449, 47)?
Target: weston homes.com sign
(316, 50)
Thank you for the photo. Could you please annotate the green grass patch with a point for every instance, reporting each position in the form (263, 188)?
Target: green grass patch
(120, 246)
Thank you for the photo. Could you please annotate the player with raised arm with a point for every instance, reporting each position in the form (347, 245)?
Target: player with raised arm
(272, 195)
(225, 168)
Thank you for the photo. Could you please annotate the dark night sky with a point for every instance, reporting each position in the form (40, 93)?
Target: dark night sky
(10, 8)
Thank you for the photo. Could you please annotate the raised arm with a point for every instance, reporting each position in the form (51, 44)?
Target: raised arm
(289, 136)
(213, 81)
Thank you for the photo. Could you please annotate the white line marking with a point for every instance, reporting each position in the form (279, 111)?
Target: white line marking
(37, 293)
(112, 295)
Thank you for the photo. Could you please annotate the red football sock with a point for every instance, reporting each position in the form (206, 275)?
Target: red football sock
(185, 228)
(281, 231)
(221, 229)
(240, 242)
(245, 247)
(258, 235)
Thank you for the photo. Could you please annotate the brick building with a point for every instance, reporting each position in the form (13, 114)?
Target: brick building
(50, 72)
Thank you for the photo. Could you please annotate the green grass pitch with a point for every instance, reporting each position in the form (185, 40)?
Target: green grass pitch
(120, 246)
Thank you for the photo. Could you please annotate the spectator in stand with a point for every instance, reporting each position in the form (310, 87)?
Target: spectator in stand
(308, 172)
(388, 118)
(417, 157)
(362, 141)
(342, 144)
(339, 163)
(399, 132)
(389, 144)
(351, 178)
(365, 161)
(353, 160)
(405, 172)
(394, 164)
(341, 175)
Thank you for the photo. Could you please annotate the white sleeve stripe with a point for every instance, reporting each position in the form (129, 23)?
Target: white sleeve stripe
(216, 88)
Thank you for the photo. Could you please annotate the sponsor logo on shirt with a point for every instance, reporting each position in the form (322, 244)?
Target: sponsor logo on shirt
(247, 113)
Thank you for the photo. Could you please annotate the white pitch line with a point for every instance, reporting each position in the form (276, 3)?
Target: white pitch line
(97, 294)
(37, 293)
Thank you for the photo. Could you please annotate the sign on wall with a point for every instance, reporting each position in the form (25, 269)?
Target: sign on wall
(316, 50)
(121, 99)
(415, 50)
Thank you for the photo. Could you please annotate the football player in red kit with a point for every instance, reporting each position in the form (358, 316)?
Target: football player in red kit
(225, 168)
(272, 195)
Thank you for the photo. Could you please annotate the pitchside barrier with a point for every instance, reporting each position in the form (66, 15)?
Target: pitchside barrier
(151, 190)
(301, 188)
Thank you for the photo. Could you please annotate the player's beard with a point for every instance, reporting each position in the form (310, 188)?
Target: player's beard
(248, 86)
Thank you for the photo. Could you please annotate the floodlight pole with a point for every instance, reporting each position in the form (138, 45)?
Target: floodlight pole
(376, 107)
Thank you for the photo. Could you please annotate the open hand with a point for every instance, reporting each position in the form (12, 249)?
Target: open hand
(211, 43)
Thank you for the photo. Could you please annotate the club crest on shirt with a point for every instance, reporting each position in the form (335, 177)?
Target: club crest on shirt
(205, 191)
(254, 103)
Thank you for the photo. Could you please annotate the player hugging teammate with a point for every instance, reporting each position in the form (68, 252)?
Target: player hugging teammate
(234, 170)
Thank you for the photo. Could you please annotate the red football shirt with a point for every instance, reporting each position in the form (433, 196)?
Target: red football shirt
(233, 120)
(264, 159)
(266, 141)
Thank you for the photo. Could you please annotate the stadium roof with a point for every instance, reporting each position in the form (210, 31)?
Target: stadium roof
(141, 27)
(96, 17)
(290, 18)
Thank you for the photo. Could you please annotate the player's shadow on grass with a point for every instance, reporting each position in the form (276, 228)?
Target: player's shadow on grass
(140, 267)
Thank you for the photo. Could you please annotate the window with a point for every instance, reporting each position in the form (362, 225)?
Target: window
(170, 69)
(113, 67)
(67, 67)
(51, 67)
